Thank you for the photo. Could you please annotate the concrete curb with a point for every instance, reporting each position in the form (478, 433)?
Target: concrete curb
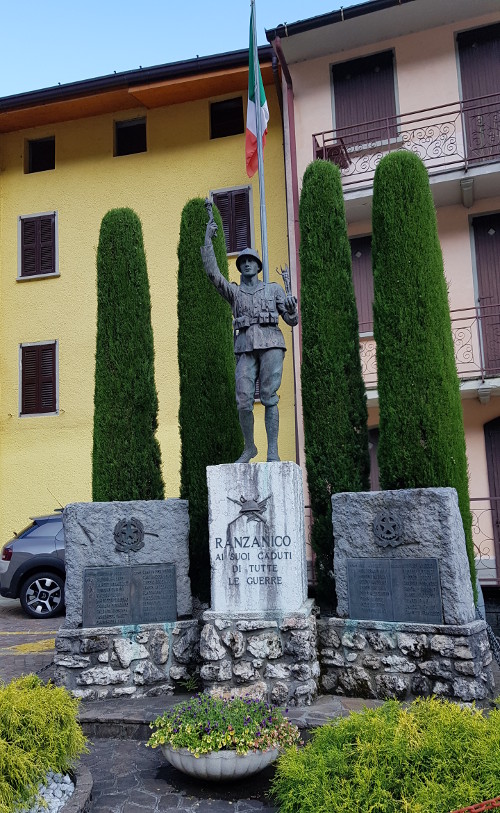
(81, 798)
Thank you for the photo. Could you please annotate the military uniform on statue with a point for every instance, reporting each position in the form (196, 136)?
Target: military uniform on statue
(258, 341)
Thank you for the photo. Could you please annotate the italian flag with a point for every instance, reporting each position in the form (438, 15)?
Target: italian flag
(254, 110)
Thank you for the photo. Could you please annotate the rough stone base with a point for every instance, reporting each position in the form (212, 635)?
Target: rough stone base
(381, 659)
(146, 660)
(269, 655)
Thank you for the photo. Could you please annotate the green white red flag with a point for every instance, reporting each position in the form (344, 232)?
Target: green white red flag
(256, 107)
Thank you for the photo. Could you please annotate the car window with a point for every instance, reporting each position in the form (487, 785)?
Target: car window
(48, 529)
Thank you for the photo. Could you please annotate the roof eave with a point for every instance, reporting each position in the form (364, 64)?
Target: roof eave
(340, 16)
(130, 79)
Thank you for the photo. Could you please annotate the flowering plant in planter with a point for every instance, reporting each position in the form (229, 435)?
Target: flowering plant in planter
(204, 724)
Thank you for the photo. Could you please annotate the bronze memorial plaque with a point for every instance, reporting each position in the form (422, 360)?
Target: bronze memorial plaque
(386, 589)
(118, 596)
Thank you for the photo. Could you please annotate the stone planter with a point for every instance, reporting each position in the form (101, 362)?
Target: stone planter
(219, 765)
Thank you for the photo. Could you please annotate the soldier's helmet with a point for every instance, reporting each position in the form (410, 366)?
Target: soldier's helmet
(248, 252)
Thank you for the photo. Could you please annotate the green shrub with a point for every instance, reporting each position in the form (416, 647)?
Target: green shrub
(421, 442)
(38, 732)
(333, 392)
(208, 420)
(432, 757)
(126, 460)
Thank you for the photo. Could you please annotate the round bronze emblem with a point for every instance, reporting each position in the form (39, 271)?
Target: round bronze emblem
(387, 529)
(129, 535)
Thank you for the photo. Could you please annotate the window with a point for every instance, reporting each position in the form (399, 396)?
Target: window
(41, 155)
(130, 137)
(226, 118)
(38, 374)
(363, 91)
(234, 208)
(37, 252)
(362, 277)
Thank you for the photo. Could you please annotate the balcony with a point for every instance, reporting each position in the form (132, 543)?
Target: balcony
(486, 538)
(476, 338)
(456, 136)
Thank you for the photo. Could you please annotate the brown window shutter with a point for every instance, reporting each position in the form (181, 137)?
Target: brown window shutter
(234, 208)
(362, 277)
(29, 253)
(38, 379)
(47, 378)
(47, 244)
(241, 219)
(38, 249)
(223, 202)
(364, 94)
(29, 380)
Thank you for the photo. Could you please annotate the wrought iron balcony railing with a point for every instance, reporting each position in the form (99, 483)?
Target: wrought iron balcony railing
(486, 537)
(476, 338)
(452, 136)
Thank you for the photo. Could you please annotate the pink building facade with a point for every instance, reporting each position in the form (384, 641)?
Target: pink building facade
(424, 76)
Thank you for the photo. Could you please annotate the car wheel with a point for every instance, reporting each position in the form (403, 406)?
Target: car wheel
(42, 595)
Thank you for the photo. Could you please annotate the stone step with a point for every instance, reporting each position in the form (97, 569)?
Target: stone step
(130, 720)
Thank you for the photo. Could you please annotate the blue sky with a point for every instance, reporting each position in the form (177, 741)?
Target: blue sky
(44, 44)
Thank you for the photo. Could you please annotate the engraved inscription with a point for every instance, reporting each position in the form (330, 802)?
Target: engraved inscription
(369, 589)
(394, 590)
(416, 590)
(129, 595)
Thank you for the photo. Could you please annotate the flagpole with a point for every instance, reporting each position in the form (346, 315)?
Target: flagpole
(260, 152)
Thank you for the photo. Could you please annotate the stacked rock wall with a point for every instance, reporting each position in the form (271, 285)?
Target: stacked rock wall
(149, 659)
(265, 655)
(385, 659)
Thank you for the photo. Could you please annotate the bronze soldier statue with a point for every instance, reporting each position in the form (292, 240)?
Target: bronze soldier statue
(259, 345)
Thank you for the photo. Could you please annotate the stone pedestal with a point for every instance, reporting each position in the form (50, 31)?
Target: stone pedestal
(126, 563)
(408, 524)
(257, 538)
(380, 659)
(268, 655)
(147, 660)
(259, 637)
(400, 563)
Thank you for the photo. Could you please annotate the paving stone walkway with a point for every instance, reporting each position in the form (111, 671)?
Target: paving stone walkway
(26, 645)
(130, 778)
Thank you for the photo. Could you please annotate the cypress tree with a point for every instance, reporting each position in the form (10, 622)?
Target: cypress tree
(333, 391)
(126, 460)
(208, 420)
(421, 442)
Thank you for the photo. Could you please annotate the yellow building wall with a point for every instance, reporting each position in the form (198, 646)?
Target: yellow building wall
(47, 460)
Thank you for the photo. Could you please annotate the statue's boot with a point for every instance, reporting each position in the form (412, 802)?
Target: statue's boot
(246, 423)
(272, 421)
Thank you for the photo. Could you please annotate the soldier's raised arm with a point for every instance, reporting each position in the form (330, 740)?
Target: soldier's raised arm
(225, 288)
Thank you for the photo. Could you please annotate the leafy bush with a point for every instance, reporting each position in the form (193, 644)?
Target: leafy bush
(205, 723)
(333, 392)
(39, 732)
(432, 757)
(208, 421)
(126, 459)
(422, 440)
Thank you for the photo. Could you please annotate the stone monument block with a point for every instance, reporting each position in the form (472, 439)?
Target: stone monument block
(134, 541)
(257, 537)
(417, 537)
